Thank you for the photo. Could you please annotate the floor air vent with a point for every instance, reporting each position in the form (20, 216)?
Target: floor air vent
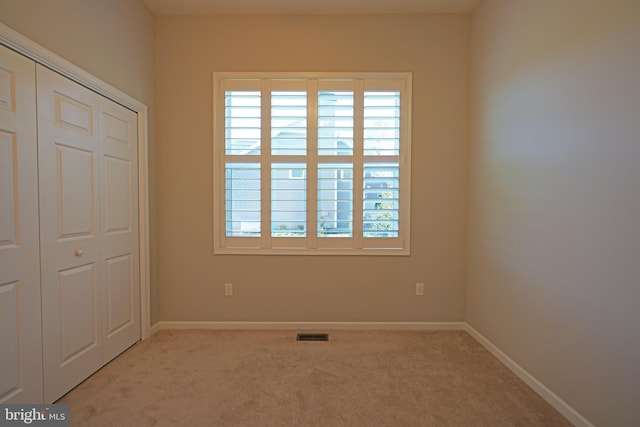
(313, 337)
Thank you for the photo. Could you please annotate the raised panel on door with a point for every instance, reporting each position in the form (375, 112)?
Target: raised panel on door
(11, 366)
(119, 152)
(78, 302)
(75, 173)
(120, 294)
(8, 188)
(20, 317)
(117, 195)
(72, 271)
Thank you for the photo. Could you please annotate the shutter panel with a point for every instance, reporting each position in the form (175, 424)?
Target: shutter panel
(288, 123)
(242, 122)
(335, 123)
(242, 199)
(381, 123)
(381, 200)
(335, 200)
(288, 200)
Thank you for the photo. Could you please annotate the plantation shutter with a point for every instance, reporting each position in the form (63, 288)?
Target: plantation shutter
(313, 164)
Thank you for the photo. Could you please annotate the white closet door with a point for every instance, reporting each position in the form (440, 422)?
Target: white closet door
(119, 204)
(68, 153)
(20, 322)
(88, 156)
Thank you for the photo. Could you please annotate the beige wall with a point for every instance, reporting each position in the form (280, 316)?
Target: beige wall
(553, 249)
(554, 216)
(111, 39)
(305, 288)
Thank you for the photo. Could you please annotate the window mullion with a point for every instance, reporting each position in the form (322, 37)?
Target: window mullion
(265, 163)
(312, 163)
(405, 162)
(358, 161)
(219, 162)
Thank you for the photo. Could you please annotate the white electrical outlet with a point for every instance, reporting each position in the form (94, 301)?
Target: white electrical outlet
(419, 288)
(228, 289)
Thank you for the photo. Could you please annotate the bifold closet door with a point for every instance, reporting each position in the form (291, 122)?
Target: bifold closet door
(119, 226)
(88, 230)
(20, 322)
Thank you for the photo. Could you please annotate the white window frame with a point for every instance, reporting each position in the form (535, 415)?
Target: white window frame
(311, 244)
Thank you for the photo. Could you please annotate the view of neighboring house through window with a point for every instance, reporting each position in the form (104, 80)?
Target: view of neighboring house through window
(312, 164)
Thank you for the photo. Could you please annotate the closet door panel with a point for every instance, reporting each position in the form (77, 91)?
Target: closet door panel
(20, 321)
(72, 272)
(75, 175)
(119, 152)
(10, 332)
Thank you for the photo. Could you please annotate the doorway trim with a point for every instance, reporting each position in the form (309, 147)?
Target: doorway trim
(32, 50)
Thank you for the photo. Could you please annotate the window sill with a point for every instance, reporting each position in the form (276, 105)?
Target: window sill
(313, 252)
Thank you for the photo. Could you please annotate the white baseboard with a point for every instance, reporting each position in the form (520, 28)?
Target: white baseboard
(407, 326)
(553, 399)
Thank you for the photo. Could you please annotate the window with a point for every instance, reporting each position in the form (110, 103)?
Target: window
(312, 163)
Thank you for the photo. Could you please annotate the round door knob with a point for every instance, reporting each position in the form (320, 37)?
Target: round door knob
(78, 252)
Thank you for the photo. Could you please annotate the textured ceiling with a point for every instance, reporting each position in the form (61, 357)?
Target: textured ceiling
(307, 7)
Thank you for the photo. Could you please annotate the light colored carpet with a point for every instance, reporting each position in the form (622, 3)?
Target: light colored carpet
(266, 378)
